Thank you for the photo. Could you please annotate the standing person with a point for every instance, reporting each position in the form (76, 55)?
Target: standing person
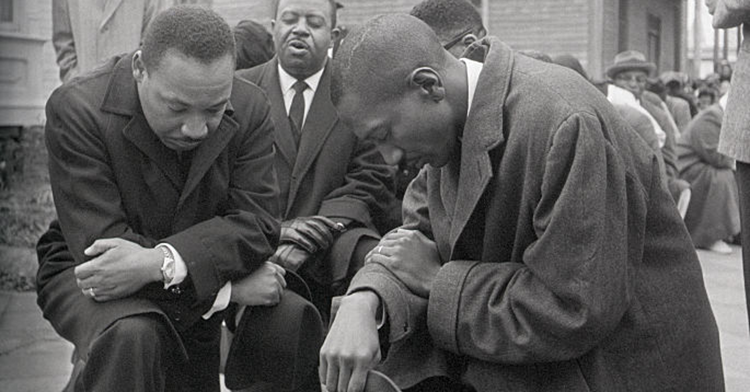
(539, 251)
(85, 33)
(735, 129)
(629, 71)
(167, 204)
(333, 186)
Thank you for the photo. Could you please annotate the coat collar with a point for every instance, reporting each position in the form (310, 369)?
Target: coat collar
(122, 98)
(483, 130)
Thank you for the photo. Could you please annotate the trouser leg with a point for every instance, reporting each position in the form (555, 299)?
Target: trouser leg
(743, 186)
(130, 355)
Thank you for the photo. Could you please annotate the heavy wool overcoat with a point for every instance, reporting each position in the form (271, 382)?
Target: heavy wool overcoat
(566, 266)
(111, 176)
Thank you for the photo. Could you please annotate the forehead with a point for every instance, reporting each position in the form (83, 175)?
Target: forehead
(307, 6)
(633, 72)
(192, 81)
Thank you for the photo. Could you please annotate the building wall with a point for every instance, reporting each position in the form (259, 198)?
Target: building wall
(551, 26)
(638, 12)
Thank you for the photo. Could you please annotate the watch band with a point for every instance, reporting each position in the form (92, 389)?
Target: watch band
(167, 266)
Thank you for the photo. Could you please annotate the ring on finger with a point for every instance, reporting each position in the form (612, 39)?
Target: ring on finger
(380, 249)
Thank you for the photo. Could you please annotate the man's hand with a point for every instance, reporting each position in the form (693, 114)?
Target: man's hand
(352, 346)
(311, 233)
(290, 256)
(263, 287)
(119, 269)
(411, 256)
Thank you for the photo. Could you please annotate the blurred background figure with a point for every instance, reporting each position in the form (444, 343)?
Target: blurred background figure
(706, 97)
(254, 44)
(87, 32)
(714, 213)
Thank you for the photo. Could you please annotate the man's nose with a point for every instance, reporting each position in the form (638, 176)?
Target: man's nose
(301, 27)
(195, 128)
(391, 155)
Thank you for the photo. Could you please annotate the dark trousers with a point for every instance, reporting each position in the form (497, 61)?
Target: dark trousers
(138, 352)
(743, 185)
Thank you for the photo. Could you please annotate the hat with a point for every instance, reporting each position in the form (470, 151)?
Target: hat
(569, 61)
(673, 76)
(277, 344)
(629, 60)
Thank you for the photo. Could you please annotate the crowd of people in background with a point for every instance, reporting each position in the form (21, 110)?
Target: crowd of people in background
(378, 196)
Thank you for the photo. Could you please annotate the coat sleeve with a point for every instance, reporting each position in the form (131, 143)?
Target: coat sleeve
(235, 243)
(368, 188)
(730, 13)
(704, 139)
(89, 206)
(403, 309)
(62, 40)
(575, 282)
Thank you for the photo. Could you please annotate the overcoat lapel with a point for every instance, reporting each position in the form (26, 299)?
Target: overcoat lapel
(482, 133)
(140, 134)
(110, 7)
(284, 137)
(319, 124)
(206, 153)
(122, 98)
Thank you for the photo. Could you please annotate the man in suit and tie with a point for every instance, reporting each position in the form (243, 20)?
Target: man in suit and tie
(334, 187)
(167, 205)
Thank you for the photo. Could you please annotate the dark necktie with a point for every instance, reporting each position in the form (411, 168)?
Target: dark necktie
(297, 110)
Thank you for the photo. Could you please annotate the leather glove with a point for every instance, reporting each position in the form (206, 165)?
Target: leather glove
(290, 256)
(310, 233)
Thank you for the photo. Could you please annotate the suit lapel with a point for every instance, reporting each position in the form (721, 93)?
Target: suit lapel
(483, 132)
(319, 124)
(284, 138)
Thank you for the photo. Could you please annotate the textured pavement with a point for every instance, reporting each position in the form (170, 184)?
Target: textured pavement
(34, 359)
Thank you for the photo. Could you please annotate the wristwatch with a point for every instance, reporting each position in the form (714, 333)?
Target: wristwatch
(167, 266)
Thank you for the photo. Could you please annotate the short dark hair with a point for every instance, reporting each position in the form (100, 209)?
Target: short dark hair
(376, 59)
(196, 32)
(449, 17)
(333, 6)
(254, 44)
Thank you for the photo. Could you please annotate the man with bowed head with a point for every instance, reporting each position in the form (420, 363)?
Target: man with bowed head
(540, 250)
(167, 204)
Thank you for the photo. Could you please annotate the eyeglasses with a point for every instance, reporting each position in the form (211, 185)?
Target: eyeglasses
(456, 39)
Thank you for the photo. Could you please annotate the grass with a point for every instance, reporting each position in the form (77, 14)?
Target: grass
(26, 209)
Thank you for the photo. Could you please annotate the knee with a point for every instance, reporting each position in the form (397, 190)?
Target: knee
(138, 331)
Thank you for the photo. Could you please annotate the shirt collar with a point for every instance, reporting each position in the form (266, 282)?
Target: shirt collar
(286, 81)
(473, 69)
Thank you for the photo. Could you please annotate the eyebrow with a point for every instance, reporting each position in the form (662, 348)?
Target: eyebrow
(183, 103)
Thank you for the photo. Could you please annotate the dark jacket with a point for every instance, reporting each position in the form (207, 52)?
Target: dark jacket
(566, 264)
(112, 177)
(333, 173)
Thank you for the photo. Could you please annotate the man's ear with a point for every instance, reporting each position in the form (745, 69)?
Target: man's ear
(139, 68)
(429, 81)
(469, 39)
(335, 33)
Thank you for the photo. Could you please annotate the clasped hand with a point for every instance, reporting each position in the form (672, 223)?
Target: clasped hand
(411, 256)
(119, 269)
(264, 287)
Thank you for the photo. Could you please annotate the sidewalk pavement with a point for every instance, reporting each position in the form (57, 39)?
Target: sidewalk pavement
(34, 359)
